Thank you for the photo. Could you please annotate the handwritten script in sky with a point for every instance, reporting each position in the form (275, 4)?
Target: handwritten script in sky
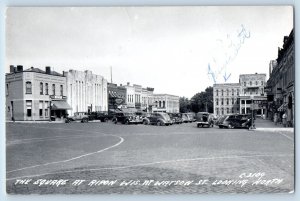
(227, 51)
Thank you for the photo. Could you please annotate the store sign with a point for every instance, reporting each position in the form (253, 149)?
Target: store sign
(58, 97)
(119, 101)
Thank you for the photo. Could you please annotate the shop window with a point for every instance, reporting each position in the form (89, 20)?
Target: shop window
(41, 108)
(28, 88)
(29, 108)
(46, 108)
(41, 88)
(53, 89)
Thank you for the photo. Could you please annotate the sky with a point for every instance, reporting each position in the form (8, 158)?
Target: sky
(176, 50)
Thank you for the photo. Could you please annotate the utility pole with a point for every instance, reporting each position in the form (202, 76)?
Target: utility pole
(111, 74)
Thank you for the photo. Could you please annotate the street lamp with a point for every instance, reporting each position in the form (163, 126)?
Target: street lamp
(252, 97)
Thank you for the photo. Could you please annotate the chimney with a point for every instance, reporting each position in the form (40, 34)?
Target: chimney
(12, 69)
(19, 68)
(120, 85)
(48, 70)
(128, 83)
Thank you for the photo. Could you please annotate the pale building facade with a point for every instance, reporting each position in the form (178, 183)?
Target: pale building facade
(226, 98)
(130, 95)
(87, 92)
(165, 103)
(35, 95)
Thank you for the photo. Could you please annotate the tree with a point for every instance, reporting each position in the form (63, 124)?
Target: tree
(203, 101)
(184, 105)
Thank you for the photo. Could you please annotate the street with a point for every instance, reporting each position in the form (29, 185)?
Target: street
(132, 159)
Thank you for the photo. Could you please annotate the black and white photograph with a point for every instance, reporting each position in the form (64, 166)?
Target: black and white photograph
(150, 100)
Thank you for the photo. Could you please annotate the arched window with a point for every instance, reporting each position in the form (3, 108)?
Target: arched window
(28, 88)
(222, 92)
(53, 89)
(164, 104)
(217, 92)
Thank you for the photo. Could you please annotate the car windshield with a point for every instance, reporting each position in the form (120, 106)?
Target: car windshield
(165, 115)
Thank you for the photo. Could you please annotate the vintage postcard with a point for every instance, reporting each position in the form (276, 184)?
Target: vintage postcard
(150, 100)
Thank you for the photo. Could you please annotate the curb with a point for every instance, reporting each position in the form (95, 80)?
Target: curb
(275, 129)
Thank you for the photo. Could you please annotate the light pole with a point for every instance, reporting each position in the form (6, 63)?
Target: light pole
(252, 97)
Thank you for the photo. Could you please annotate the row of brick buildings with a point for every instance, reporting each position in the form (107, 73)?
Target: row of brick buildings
(35, 94)
(281, 84)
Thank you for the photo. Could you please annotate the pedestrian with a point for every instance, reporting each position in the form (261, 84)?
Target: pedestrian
(284, 120)
(275, 118)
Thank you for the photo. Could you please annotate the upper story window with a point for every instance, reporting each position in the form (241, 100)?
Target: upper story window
(232, 92)
(41, 88)
(256, 83)
(250, 83)
(262, 83)
(238, 92)
(217, 92)
(217, 101)
(53, 89)
(46, 89)
(28, 88)
(227, 92)
(222, 92)
(7, 89)
(244, 84)
(61, 90)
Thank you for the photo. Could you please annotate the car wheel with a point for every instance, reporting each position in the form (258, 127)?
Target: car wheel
(198, 125)
(115, 121)
(220, 126)
(145, 122)
(230, 126)
(126, 122)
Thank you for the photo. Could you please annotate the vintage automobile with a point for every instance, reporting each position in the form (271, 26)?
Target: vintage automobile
(192, 116)
(125, 118)
(236, 121)
(160, 119)
(176, 118)
(185, 118)
(78, 116)
(102, 116)
(204, 119)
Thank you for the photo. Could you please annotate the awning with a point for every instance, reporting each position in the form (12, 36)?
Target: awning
(282, 107)
(60, 105)
(113, 94)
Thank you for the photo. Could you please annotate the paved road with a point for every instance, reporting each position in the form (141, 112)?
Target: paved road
(147, 159)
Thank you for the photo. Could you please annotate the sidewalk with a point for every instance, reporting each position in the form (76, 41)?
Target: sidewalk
(268, 125)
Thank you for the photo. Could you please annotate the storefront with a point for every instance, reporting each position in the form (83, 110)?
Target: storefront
(59, 107)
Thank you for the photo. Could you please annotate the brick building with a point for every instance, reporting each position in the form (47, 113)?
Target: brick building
(281, 83)
(165, 103)
(34, 94)
(116, 96)
(241, 97)
(226, 98)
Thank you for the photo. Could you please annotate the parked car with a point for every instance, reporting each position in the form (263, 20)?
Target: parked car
(160, 119)
(146, 118)
(78, 116)
(124, 118)
(139, 117)
(175, 117)
(236, 121)
(204, 119)
(192, 116)
(185, 118)
(102, 116)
